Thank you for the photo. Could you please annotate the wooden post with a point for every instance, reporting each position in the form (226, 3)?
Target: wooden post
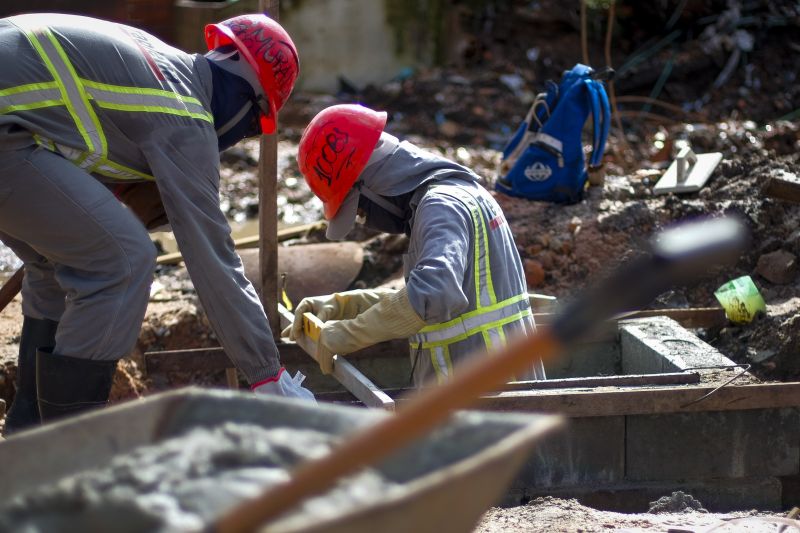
(268, 209)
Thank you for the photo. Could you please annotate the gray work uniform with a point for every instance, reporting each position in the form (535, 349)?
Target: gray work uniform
(463, 272)
(85, 103)
(464, 278)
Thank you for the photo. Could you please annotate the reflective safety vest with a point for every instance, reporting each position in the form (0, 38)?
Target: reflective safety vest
(80, 96)
(487, 321)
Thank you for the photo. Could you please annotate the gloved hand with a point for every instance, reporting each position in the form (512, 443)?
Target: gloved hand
(392, 317)
(144, 200)
(337, 306)
(285, 385)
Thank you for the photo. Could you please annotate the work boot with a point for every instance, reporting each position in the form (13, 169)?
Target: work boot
(70, 385)
(24, 410)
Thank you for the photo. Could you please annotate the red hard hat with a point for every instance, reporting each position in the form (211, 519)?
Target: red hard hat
(335, 148)
(267, 48)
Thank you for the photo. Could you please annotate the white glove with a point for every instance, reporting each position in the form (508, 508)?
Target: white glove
(284, 385)
(391, 318)
(337, 306)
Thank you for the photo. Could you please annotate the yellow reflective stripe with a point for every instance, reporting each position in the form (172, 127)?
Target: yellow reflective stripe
(30, 87)
(45, 142)
(115, 170)
(62, 89)
(494, 337)
(477, 259)
(482, 270)
(474, 331)
(442, 363)
(28, 107)
(486, 257)
(155, 109)
(140, 90)
(83, 96)
(486, 271)
(476, 312)
(160, 101)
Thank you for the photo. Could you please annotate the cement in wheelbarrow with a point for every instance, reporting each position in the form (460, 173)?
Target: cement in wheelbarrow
(443, 483)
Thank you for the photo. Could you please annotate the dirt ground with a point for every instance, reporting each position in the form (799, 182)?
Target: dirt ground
(724, 81)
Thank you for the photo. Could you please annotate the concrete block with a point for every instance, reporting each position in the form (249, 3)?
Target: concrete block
(589, 451)
(702, 445)
(717, 496)
(659, 344)
(791, 491)
(584, 360)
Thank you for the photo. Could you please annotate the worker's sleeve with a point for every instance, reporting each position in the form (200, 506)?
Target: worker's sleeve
(186, 167)
(440, 240)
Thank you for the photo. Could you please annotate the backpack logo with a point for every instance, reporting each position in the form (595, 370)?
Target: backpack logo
(538, 171)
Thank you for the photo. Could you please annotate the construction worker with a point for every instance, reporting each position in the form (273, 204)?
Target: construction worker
(465, 290)
(86, 104)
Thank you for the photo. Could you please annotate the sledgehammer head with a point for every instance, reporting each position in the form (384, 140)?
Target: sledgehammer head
(677, 256)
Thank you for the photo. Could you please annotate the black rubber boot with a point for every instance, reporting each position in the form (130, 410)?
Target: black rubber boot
(24, 412)
(71, 385)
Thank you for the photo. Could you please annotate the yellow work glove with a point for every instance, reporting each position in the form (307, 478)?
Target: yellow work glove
(392, 317)
(337, 306)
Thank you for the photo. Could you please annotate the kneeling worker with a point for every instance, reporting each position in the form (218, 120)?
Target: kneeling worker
(465, 289)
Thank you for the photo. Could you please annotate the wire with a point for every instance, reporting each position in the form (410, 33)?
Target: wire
(745, 368)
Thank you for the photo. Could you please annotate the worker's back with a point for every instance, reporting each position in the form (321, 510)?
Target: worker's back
(94, 91)
(479, 294)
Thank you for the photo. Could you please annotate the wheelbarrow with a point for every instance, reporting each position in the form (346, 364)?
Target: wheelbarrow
(446, 480)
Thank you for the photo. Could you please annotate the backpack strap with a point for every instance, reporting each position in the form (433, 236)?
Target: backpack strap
(601, 115)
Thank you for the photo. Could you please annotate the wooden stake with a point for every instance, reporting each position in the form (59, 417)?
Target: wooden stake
(11, 287)
(268, 209)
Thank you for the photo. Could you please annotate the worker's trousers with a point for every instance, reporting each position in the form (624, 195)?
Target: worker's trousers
(88, 260)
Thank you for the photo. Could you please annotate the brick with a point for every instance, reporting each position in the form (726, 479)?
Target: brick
(722, 444)
(588, 451)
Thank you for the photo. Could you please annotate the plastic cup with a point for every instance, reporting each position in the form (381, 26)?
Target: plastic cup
(741, 300)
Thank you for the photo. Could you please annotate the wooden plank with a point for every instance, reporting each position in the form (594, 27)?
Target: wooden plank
(344, 372)
(645, 401)
(248, 242)
(633, 380)
(232, 378)
(215, 360)
(782, 189)
(699, 317)
(189, 360)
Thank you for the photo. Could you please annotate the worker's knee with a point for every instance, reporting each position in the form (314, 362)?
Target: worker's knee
(141, 260)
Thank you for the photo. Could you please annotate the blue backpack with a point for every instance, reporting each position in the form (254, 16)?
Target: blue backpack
(544, 159)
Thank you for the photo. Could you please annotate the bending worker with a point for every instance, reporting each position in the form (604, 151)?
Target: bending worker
(85, 104)
(465, 290)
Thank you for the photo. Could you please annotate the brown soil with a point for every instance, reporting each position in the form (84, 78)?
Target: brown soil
(557, 515)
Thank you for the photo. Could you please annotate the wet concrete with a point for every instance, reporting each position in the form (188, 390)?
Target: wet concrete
(184, 483)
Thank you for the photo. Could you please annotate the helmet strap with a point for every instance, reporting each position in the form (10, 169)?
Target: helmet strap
(379, 200)
(234, 120)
